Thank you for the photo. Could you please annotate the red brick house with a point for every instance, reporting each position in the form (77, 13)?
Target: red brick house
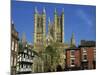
(88, 54)
(72, 58)
(81, 57)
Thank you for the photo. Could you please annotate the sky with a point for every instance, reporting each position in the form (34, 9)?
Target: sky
(78, 19)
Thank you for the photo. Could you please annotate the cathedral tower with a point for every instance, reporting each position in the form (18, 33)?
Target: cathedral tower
(59, 26)
(39, 28)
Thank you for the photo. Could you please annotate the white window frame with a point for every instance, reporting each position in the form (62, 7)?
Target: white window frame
(94, 50)
(71, 53)
(83, 57)
(71, 62)
(84, 50)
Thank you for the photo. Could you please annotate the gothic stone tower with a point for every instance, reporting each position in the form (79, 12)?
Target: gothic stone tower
(56, 36)
(56, 28)
(59, 27)
(39, 29)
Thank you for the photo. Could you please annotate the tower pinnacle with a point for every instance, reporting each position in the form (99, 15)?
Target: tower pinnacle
(44, 10)
(49, 20)
(49, 26)
(23, 40)
(72, 40)
(36, 10)
(63, 10)
(55, 11)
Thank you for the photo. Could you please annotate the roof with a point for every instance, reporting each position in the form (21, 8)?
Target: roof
(73, 48)
(85, 43)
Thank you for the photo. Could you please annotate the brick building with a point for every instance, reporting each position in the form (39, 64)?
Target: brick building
(81, 57)
(88, 54)
(72, 53)
(73, 58)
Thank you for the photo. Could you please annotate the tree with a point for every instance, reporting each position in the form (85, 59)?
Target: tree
(51, 57)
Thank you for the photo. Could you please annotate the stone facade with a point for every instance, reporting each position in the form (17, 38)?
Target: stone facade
(14, 49)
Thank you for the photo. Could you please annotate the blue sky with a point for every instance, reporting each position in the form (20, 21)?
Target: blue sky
(79, 19)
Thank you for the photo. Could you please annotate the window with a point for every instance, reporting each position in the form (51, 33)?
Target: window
(26, 45)
(11, 60)
(17, 68)
(20, 59)
(94, 53)
(84, 50)
(72, 53)
(84, 54)
(25, 50)
(12, 47)
(24, 55)
(84, 57)
(29, 52)
(20, 66)
(14, 61)
(16, 47)
(24, 66)
(72, 62)
(32, 54)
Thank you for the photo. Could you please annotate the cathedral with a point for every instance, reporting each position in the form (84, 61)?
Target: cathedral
(55, 28)
(54, 37)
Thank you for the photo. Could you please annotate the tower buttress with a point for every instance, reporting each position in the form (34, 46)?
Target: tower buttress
(36, 10)
(55, 25)
(35, 24)
(48, 26)
(62, 25)
(23, 40)
(44, 25)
